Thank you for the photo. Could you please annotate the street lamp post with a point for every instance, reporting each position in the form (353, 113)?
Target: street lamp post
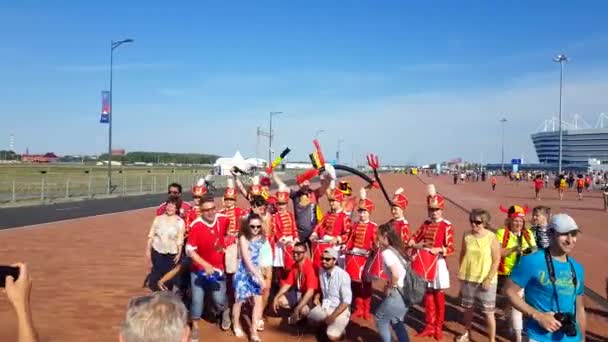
(502, 159)
(561, 59)
(317, 133)
(340, 141)
(270, 136)
(113, 45)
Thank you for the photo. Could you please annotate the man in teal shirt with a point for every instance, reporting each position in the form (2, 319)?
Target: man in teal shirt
(544, 295)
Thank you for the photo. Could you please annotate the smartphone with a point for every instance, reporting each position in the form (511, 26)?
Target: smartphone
(8, 271)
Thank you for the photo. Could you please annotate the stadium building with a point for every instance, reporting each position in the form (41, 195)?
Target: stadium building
(582, 145)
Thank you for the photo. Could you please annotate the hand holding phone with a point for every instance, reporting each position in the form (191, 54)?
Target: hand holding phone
(6, 271)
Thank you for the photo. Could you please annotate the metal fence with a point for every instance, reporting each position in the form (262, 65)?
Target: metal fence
(54, 188)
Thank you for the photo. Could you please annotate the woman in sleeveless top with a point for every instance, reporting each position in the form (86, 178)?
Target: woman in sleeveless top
(479, 259)
(392, 309)
(248, 279)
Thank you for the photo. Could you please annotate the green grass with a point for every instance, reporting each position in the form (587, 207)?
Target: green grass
(71, 181)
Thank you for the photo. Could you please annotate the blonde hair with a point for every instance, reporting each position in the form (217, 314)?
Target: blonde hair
(158, 317)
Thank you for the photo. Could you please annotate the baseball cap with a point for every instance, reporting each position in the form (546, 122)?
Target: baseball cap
(562, 224)
(331, 252)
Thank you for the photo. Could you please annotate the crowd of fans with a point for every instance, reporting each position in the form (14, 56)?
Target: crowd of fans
(304, 267)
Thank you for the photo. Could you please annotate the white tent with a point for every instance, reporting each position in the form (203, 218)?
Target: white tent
(223, 165)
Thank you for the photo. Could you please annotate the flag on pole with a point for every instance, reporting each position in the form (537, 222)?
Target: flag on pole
(105, 107)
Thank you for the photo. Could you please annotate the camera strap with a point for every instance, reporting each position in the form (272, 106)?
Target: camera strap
(553, 278)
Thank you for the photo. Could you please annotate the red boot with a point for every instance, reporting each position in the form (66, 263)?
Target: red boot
(367, 306)
(440, 301)
(358, 312)
(429, 316)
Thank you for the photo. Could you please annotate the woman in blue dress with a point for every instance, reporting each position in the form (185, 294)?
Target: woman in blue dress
(248, 279)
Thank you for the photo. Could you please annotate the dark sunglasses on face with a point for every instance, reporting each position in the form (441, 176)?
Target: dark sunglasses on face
(254, 226)
(327, 259)
(477, 222)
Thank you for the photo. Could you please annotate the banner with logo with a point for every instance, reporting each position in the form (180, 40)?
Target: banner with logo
(105, 107)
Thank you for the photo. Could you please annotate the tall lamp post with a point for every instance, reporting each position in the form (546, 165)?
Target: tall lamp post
(270, 136)
(502, 159)
(113, 46)
(340, 141)
(561, 59)
(317, 133)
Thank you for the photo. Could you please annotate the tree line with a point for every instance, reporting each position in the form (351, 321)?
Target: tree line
(163, 158)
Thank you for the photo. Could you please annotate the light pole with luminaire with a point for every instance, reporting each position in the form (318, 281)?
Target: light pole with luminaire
(340, 141)
(561, 59)
(270, 136)
(317, 133)
(502, 159)
(113, 46)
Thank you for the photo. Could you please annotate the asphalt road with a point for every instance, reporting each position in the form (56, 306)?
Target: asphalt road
(25, 216)
(29, 215)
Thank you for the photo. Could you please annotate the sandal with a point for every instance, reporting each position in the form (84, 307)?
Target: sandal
(238, 332)
(255, 338)
(260, 325)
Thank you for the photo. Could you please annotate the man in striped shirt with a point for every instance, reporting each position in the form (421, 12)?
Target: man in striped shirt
(540, 220)
(332, 307)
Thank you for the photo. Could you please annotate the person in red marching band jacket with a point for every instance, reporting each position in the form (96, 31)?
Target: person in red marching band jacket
(399, 203)
(174, 190)
(234, 215)
(198, 191)
(360, 245)
(333, 229)
(260, 186)
(434, 239)
(284, 234)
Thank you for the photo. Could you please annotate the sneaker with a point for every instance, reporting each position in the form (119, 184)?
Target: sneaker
(463, 338)
(194, 333)
(226, 322)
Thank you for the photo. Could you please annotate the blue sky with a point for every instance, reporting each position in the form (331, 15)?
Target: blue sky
(411, 81)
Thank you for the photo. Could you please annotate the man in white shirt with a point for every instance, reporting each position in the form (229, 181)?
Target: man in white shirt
(336, 297)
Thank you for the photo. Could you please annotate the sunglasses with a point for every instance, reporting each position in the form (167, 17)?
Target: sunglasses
(298, 252)
(253, 226)
(477, 222)
(327, 259)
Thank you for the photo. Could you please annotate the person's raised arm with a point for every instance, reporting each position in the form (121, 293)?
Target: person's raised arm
(279, 181)
(18, 293)
(238, 183)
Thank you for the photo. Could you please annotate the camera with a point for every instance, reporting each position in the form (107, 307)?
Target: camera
(568, 322)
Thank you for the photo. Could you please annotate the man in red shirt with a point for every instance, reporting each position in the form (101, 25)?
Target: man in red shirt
(298, 288)
(205, 246)
(175, 192)
(538, 185)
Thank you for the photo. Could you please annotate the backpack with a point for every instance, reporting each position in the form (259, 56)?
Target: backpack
(414, 286)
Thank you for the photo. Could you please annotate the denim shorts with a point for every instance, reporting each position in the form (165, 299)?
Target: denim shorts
(471, 292)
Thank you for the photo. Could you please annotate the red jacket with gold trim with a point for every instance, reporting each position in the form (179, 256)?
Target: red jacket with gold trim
(234, 216)
(363, 236)
(402, 228)
(284, 227)
(336, 225)
(436, 234)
